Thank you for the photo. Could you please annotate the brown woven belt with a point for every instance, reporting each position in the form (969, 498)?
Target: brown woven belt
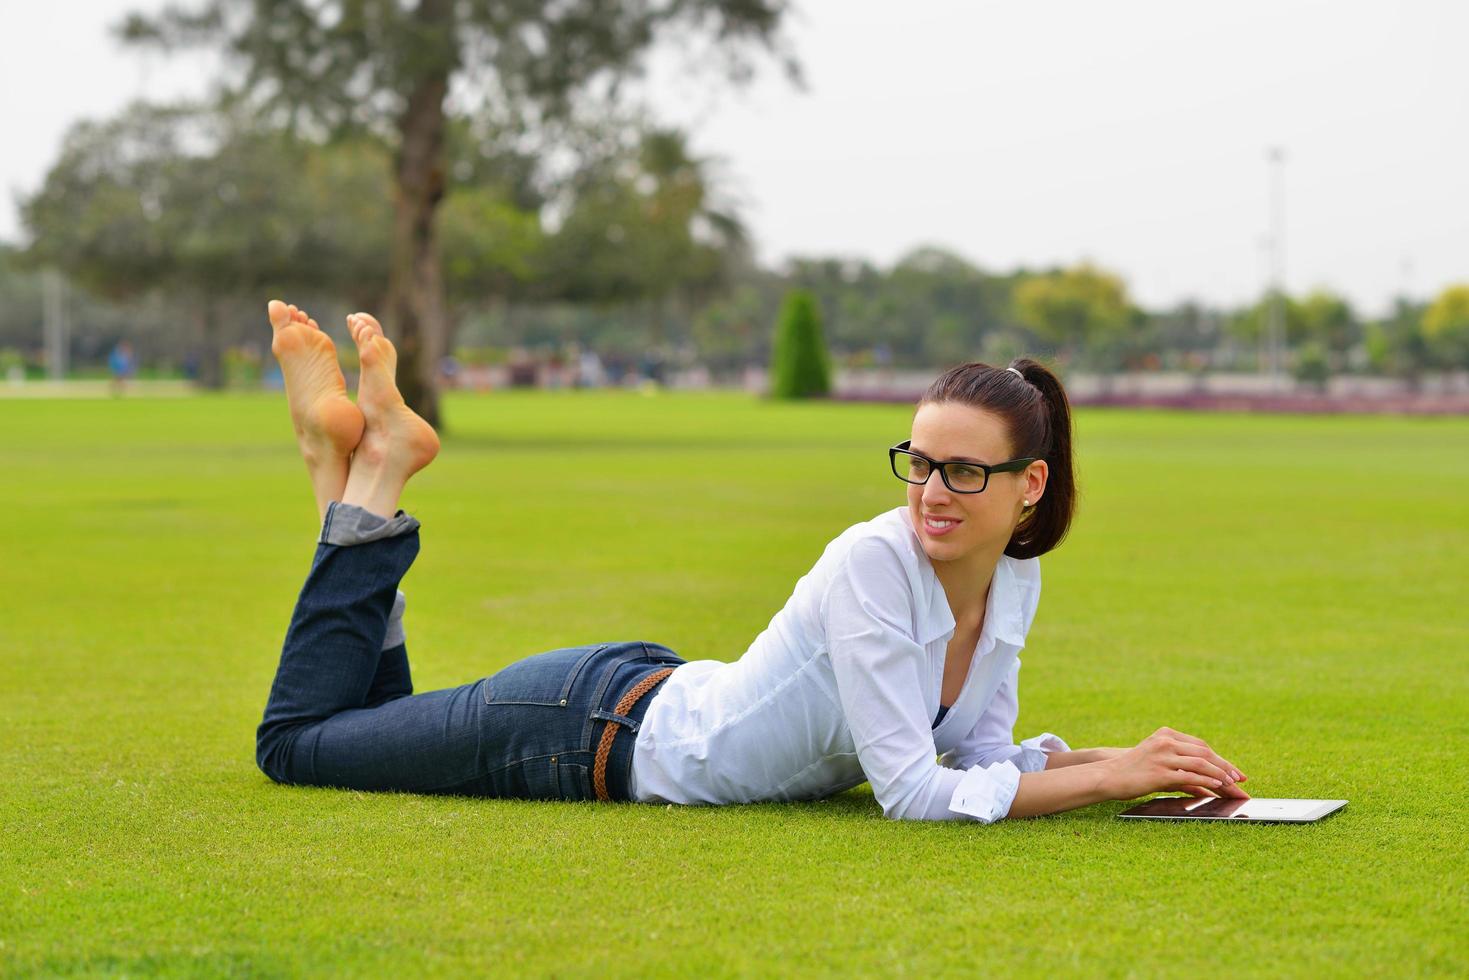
(609, 731)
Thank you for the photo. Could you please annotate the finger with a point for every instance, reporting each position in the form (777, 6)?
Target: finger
(1201, 791)
(1212, 756)
(1193, 763)
(1219, 760)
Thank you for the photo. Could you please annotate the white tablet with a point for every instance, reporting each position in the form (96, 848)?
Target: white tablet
(1256, 809)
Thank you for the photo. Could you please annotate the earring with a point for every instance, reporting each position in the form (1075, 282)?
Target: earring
(1027, 503)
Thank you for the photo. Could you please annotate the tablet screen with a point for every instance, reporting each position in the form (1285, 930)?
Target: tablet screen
(1229, 808)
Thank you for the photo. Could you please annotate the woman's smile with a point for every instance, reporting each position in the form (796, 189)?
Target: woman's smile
(937, 528)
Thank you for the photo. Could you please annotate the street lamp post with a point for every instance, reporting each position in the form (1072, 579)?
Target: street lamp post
(1275, 313)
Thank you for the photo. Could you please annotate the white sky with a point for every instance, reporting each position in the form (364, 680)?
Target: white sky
(1132, 134)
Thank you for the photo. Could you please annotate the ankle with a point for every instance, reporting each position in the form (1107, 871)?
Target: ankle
(374, 489)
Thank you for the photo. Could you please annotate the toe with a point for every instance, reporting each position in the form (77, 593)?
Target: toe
(279, 314)
(367, 350)
(370, 322)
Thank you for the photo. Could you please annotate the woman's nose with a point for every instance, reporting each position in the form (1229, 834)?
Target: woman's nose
(935, 490)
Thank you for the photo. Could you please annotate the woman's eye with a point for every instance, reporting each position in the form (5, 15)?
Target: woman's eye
(963, 472)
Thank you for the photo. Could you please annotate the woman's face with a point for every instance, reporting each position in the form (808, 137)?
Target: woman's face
(985, 520)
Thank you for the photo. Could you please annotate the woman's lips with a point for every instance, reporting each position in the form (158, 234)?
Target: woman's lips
(939, 531)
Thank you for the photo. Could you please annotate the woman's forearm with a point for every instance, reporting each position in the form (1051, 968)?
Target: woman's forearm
(1077, 757)
(1059, 788)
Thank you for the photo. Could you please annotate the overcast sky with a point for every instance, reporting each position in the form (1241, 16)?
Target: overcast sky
(1132, 134)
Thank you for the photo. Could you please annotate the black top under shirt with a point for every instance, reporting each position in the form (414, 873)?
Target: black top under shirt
(943, 710)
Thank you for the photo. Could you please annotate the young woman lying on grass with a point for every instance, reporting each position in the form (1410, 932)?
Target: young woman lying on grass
(899, 645)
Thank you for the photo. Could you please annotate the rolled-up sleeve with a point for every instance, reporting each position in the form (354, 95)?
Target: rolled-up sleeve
(881, 671)
(993, 737)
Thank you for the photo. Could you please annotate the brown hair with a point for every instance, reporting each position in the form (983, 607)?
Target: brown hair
(1037, 415)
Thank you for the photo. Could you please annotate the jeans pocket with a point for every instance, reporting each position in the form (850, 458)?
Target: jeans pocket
(550, 777)
(543, 678)
(575, 780)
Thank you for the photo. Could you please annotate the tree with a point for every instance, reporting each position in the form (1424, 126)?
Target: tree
(211, 211)
(1446, 327)
(1076, 308)
(644, 224)
(800, 367)
(387, 66)
(1327, 320)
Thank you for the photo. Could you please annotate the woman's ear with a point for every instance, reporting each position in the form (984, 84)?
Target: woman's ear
(1036, 475)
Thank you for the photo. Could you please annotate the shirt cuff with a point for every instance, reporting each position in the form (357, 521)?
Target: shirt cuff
(1033, 751)
(986, 793)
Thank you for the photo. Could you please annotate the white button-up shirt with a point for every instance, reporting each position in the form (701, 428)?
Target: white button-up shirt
(842, 687)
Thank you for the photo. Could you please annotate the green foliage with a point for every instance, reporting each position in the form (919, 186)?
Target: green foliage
(489, 246)
(1078, 307)
(1328, 320)
(143, 201)
(341, 65)
(1320, 315)
(387, 70)
(800, 367)
(1446, 327)
(1311, 364)
(643, 222)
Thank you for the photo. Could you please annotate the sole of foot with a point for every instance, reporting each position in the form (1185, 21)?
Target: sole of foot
(326, 421)
(395, 437)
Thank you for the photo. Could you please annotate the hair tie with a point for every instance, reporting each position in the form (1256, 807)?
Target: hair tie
(1017, 373)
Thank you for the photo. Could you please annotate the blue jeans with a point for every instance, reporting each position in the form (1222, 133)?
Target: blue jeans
(342, 711)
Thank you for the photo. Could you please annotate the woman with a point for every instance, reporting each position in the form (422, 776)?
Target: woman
(901, 644)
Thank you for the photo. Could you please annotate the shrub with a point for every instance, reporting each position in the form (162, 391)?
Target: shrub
(1311, 365)
(799, 365)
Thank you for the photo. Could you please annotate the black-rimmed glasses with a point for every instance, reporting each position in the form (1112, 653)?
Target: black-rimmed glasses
(958, 476)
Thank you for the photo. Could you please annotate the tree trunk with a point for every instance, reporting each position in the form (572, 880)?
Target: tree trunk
(211, 354)
(415, 283)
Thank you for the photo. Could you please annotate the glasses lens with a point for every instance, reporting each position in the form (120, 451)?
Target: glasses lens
(965, 479)
(912, 468)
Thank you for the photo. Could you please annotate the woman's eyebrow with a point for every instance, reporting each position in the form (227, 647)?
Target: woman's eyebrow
(960, 459)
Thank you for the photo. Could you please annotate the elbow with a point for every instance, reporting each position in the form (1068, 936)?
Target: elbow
(907, 806)
(911, 806)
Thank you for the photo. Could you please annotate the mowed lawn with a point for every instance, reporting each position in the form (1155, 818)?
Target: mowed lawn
(1292, 589)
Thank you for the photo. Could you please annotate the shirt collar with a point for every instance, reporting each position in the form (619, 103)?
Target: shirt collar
(1004, 616)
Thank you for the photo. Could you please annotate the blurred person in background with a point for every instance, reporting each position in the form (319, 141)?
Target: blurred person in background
(120, 363)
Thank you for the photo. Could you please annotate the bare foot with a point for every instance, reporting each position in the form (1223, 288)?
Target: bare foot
(328, 426)
(396, 442)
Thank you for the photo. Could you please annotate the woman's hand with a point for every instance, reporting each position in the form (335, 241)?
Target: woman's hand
(1171, 760)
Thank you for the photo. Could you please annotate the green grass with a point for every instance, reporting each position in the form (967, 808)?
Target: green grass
(1292, 589)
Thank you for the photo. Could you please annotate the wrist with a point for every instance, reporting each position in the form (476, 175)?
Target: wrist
(1101, 783)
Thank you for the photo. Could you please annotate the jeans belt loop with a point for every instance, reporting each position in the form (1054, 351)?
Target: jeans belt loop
(610, 729)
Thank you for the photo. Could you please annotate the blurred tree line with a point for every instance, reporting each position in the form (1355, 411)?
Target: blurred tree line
(537, 210)
(177, 252)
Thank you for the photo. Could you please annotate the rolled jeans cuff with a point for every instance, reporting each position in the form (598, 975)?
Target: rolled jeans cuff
(347, 524)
